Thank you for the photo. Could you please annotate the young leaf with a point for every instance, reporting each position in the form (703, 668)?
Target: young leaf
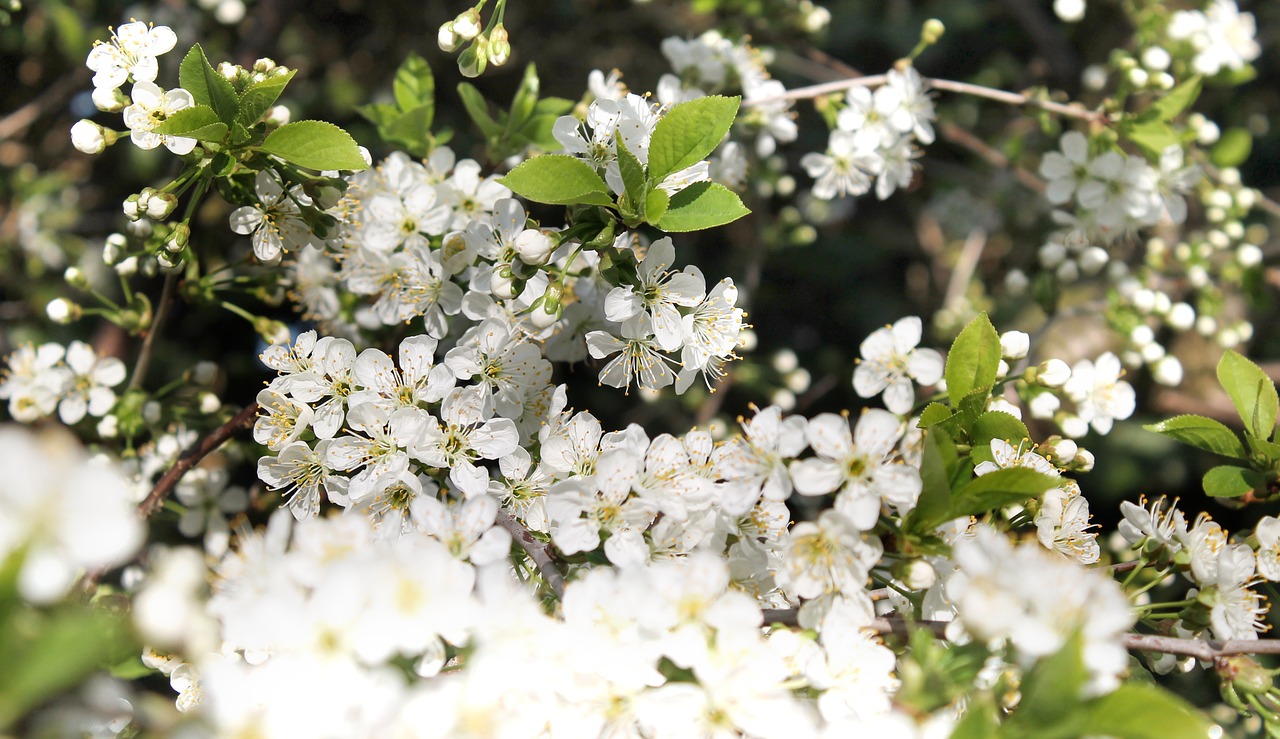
(1251, 391)
(934, 413)
(698, 206)
(1233, 148)
(197, 122)
(1229, 481)
(1201, 433)
(1000, 488)
(478, 109)
(1152, 135)
(414, 85)
(1051, 690)
(526, 98)
(1138, 710)
(558, 179)
(998, 425)
(935, 495)
(258, 98)
(1178, 100)
(411, 129)
(688, 133)
(207, 87)
(974, 358)
(656, 204)
(632, 171)
(315, 145)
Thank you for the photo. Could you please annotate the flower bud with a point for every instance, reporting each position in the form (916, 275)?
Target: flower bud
(109, 427)
(932, 31)
(264, 66)
(1058, 450)
(1083, 461)
(178, 239)
(272, 331)
(467, 24)
(1044, 405)
(127, 267)
(1014, 345)
(112, 248)
(499, 46)
(62, 311)
(209, 403)
(447, 39)
(472, 61)
(534, 246)
(547, 309)
(230, 72)
(1050, 373)
(109, 100)
(131, 208)
(278, 115)
(76, 278)
(91, 138)
(160, 205)
(502, 283)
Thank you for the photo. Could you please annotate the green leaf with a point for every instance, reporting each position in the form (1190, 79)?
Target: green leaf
(633, 177)
(478, 109)
(974, 358)
(1230, 481)
(1000, 488)
(1178, 100)
(258, 98)
(379, 114)
(526, 98)
(1052, 688)
(414, 86)
(1138, 710)
(933, 414)
(688, 133)
(558, 179)
(412, 129)
(1233, 148)
(656, 204)
(1201, 433)
(935, 494)
(998, 425)
(700, 205)
(1152, 135)
(315, 145)
(980, 722)
(1251, 391)
(197, 122)
(207, 87)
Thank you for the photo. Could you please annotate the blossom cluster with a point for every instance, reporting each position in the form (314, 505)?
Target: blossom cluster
(74, 380)
(874, 138)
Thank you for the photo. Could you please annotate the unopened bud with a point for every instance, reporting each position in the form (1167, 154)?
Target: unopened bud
(264, 66)
(179, 238)
(547, 309)
(472, 61)
(499, 46)
(160, 205)
(91, 138)
(109, 100)
(534, 246)
(127, 267)
(1058, 450)
(1049, 373)
(278, 115)
(230, 72)
(502, 283)
(1014, 344)
(62, 311)
(467, 24)
(447, 39)
(272, 331)
(932, 31)
(130, 208)
(76, 278)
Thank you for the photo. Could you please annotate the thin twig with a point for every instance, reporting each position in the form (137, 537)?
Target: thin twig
(148, 342)
(962, 138)
(17, 122)
(963, 88)
(192, 456)
(539, 552)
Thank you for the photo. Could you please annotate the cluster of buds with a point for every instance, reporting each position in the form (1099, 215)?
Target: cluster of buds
(486, 46)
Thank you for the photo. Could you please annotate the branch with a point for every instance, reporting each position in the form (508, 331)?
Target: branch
(192, 456)
(963, 88)
(540, 553)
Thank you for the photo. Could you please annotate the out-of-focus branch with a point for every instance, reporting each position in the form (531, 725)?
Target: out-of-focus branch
(540, 553)
(192, 456)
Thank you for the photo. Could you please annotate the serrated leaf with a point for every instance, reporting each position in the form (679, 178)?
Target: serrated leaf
(1201, 433)
(1230, 481)
(699, 206)
(934, 413)
(1252, 393)
(207, 87)
(315, 145)
(688, 133)
(1139, 710)
(656, 203)
(478, 109)
(414, 85)
(198, 122)
(1233, 148)
(1178, 100)
(974, 358)
(998, 425)
(258, 98)
(558, 179)
(997, 489)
